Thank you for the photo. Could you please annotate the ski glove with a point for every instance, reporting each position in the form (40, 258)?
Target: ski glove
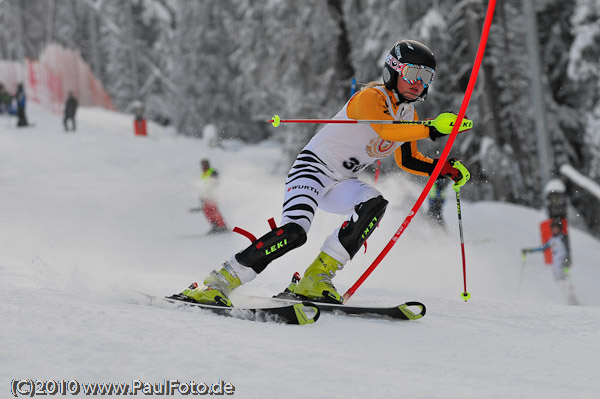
(456, 171)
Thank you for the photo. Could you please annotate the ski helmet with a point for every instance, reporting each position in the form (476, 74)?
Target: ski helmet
(406, 52)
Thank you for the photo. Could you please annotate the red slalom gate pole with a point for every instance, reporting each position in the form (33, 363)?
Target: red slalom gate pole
(436, 172)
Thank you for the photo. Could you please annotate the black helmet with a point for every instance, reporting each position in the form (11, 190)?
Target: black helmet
(406, 52)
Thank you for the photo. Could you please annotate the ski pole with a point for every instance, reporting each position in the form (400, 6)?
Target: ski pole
(436, 171)
(444, 122)
(465, 294)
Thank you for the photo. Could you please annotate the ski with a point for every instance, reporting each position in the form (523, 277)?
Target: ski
(412, 310)
(297, 313)
(399, 312)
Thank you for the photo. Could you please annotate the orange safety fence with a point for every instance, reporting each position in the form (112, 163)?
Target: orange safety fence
(49, 79)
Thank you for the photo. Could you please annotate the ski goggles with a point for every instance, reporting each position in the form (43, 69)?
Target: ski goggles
(411, 72)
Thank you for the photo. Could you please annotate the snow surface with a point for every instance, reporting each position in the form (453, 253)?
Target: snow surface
(89, 218)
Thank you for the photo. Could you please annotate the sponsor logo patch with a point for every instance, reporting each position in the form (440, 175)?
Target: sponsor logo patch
(303, 187)
(380, 148)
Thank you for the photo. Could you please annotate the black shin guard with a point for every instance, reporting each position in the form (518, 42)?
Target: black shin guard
(353, 234)
(271, 246)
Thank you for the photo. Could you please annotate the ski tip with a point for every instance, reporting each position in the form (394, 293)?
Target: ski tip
(410, 315)
(306, 312)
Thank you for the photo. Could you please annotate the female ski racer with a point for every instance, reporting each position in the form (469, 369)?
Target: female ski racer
(324, 176)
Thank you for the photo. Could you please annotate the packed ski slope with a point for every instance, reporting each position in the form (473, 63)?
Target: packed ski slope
(88, 219)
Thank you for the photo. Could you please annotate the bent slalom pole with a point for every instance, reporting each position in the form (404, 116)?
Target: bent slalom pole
(444, 122)
(436, 171)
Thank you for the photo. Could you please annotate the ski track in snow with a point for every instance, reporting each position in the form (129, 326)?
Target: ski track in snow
(91, 218)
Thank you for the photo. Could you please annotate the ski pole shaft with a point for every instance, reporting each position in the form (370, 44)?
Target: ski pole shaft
(465, 294)
(276, 120)
(444, 122)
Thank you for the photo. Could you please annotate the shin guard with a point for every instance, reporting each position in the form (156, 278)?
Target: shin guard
(271, 246)
(354, 233)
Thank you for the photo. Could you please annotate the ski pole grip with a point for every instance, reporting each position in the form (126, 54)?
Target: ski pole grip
(465, 176)
(444, 123)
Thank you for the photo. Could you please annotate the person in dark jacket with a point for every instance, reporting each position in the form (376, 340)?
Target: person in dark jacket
(21, 101)
(70, 109)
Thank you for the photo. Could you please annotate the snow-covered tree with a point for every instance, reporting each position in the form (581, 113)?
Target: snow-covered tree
(583, 69)
(236, 63)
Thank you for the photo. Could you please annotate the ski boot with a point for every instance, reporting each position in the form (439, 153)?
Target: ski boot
(316, 284)
(216, 287)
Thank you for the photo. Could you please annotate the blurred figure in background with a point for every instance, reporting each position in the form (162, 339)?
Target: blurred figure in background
(208, 203)
(21, 102)
(139, 123)
(561, 261)
(6, 105)
(436, 202)
(70, 109)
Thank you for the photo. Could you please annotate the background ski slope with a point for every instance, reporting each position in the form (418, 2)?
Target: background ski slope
(88, 219)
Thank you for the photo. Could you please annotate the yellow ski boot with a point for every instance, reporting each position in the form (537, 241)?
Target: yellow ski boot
(216, 287)
(316, 283)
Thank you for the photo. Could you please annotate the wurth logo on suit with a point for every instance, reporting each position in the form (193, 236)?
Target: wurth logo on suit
(304, 187)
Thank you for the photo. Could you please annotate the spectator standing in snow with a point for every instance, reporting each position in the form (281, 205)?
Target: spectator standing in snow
(208, 202)
(70, 110)
(21, 103)
(561, 262)
(325, 176)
